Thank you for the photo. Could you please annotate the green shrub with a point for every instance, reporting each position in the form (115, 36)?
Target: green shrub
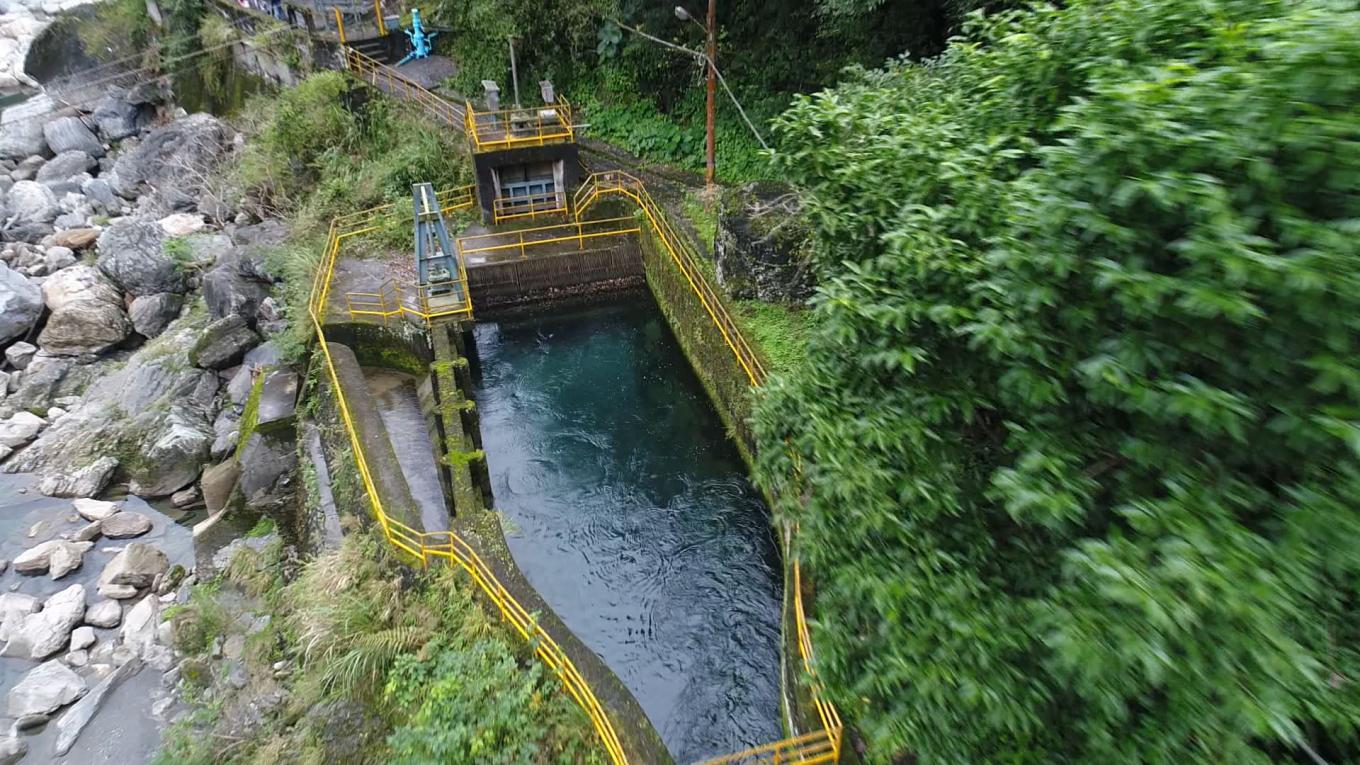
(1078, 422)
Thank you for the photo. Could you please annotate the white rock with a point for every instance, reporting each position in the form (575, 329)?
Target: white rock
(117, 591)
(124, 525)
(95, 509)
(21, 428)
(105, 613)
(45, 689)
(18, 602)
(74, 721)
(67, 557)
(38, 558)
(19, 354)
(82, 638)
(77, 658)
(42, 634)
(182, 224)
(139, 626)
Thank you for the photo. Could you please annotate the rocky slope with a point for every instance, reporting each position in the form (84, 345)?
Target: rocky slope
(134, 306)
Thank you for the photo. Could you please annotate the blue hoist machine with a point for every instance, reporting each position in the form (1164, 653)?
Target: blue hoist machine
(422, 42)
(438, 272)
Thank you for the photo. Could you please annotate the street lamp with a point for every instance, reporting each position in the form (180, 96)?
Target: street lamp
(710, 142)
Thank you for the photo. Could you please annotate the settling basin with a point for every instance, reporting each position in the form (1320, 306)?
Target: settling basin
(630, 512)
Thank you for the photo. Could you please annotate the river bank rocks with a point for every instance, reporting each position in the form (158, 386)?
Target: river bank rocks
(85, 639)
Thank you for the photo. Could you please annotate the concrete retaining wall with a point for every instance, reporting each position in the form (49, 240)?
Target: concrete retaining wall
(524, 281)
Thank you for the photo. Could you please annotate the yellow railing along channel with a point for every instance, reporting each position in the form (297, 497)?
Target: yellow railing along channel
(428, 546)
(518, 243)
(818, 746)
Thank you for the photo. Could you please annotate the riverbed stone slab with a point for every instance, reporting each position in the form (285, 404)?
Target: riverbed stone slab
(19, 354)
(74, 721)
(137, 565)
(125, 525)
(83, 482)
(224, 343)
(42, 634)
(45, 689)
(96, 509)
(104, 614)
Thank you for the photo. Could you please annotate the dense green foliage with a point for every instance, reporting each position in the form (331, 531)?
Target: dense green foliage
(1081, 414)
(422, 672)
(327, 147)
(650, 99)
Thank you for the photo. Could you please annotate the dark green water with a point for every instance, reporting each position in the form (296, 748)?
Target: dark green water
(629, 510)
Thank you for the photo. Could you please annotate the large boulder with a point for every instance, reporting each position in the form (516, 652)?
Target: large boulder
(20, 428)
(117, 117)
(131, 252)
(45, 689)
(136, 565)
(154, 407)
(224, 343)
(761, 248)
(85, 328)
(42, 634)
(268, 463)
(20, 304)
(38, 558)
(65, 165)
(172, 461)
(175, 156)
(71, 134)
(21, 126)
(125, 525)
(151, 314)
(89, 479)
(32, 202)
(79, 282)
(236, 286)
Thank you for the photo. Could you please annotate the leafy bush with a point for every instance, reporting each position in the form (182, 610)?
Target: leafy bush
(1079, 419)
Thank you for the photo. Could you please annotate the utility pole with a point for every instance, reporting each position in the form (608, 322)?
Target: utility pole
(514, 72)
(712, 144)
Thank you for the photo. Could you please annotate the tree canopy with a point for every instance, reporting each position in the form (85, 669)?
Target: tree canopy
(1077, 437)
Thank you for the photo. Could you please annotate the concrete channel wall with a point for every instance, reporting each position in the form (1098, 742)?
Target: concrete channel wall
(523, 281)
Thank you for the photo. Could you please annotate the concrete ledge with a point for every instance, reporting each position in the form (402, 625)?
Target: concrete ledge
(383, 466)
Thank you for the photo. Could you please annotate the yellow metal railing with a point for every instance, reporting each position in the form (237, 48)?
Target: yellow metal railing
(622, 184)
(519, 242)
(515, 128)
(389, 80)
(531, 207)
(427, 546)
(818, 746)
(417, 302)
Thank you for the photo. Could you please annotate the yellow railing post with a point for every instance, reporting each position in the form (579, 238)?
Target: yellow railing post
(377, 11)
(340, 25)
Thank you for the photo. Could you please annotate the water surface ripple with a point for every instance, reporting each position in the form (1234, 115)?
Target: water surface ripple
(629, 510)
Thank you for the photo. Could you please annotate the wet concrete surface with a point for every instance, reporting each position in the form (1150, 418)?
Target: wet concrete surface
(394, 394)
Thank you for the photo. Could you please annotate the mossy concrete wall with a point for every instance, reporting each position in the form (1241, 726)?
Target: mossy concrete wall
(703, 344)
(524, 281)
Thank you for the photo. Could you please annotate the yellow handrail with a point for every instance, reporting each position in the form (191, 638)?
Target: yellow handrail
(391, 81)
(513, 128)
(820, 746)
(443, 544)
